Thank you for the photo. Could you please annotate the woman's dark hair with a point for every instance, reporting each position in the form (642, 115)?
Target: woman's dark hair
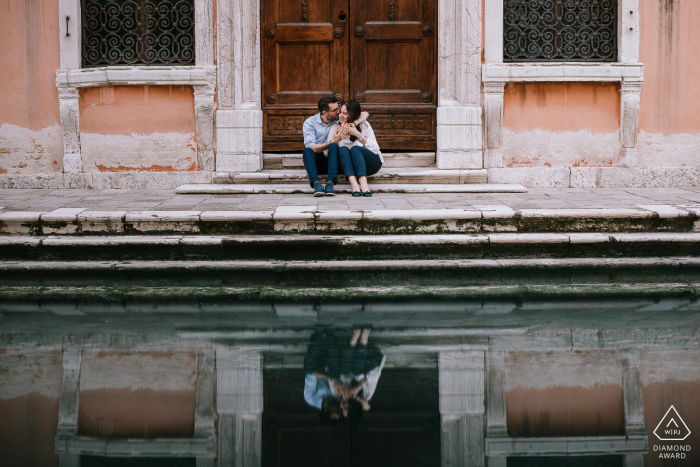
(355, 410)
(354, 110)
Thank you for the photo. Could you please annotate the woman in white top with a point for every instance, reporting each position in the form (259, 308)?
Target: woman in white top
(359, 152)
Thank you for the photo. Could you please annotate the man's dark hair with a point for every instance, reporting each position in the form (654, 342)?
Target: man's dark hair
(355, 410)
(323, 103)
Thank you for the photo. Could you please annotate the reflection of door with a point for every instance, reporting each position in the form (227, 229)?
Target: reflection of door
(382, 53)
(402, 429)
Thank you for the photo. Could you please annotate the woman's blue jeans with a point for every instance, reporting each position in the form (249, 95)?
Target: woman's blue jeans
(358, 162)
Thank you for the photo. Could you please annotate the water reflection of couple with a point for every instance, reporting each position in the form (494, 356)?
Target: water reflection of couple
(341, 386)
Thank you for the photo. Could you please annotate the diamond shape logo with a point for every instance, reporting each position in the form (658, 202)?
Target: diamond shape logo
(672, 427)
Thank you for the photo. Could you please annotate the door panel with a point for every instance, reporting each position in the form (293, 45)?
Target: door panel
(304, 58)
(393, 65)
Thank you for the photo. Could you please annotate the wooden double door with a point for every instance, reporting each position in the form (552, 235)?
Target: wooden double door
(382, 53)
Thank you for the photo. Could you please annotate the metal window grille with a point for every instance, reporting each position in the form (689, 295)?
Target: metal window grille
(560, 30)
(137, 32)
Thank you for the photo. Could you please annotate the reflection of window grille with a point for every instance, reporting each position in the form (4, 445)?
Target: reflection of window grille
(137, 32)
(560, 30)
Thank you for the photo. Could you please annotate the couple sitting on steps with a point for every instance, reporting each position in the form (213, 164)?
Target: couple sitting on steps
(348, 142)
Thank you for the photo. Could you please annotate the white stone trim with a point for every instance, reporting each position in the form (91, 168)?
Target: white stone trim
(70, 77)
(459, 133)
(201, 78)
(239, 116)
(561, 71)
(631, 385)
(461, 392)
(588, 445)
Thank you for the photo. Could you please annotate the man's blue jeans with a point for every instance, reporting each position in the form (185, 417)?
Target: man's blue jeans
(316, 163)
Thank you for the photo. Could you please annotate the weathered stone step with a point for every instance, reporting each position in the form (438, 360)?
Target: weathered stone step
(315, 220)
(304, 188)
(493, 246)
(277, 161)
(403, 175)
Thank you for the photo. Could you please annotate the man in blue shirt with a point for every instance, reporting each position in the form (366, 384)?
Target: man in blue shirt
(317, 385)
(315, 131)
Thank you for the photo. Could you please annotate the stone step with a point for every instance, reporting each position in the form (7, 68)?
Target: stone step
(403, 175)
(279, 161)
(304, 188)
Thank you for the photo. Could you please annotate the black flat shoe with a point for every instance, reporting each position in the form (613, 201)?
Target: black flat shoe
(356, 193)
(367, 194)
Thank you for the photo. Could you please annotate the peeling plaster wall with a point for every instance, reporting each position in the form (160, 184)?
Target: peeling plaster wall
(138, 128)
(30, 391)
(669, 121)
(561, 125)
(137, 394)
(671, 377)
(31, 140)
(564, 393)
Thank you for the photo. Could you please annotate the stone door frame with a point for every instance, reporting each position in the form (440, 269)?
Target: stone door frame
(239, 115)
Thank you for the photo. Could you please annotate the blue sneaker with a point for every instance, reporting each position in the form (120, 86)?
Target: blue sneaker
(330, 191)
(318, 189)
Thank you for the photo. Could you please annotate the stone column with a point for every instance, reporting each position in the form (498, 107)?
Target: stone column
(462, 408)
(240, 405)
(204, 405)
(493, 102)
(68, 103)
(204, 116)
(634, 406)
(239, 115)
(459, 133)
(68, 407)
(629, 120)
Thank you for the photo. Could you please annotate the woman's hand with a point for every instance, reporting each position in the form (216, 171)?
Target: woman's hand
(352, 130)
(340, 133)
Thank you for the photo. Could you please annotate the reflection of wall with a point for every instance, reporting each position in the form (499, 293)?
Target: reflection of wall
(564, 393)
(137, 394)
(671, 377)
(30, 391)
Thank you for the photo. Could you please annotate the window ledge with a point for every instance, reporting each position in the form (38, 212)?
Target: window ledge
(562, 71)
(136, 75)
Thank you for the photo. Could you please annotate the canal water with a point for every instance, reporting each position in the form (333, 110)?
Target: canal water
(586, 382)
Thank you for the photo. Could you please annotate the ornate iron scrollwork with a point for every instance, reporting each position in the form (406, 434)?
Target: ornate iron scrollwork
(561, 30)
(137, 32)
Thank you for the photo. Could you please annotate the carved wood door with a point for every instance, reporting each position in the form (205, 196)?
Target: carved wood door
(381, 52)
